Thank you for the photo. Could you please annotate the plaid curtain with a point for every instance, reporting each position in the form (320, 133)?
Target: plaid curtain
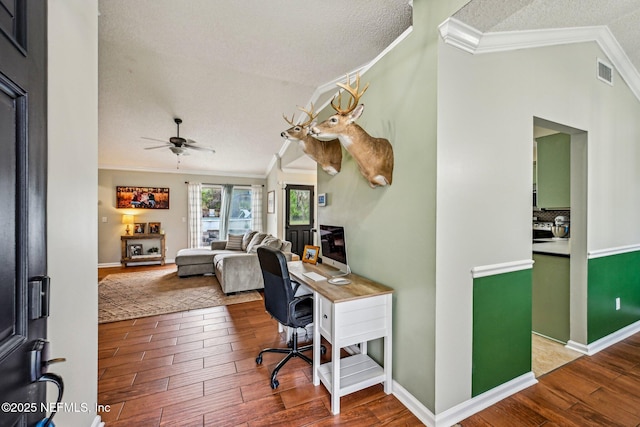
(256, 207)
(225, 210)
(195, 214)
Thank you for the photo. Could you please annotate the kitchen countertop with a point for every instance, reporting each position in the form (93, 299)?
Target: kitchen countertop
(553, 246)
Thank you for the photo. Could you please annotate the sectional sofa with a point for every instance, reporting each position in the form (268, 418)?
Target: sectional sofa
(234, 261)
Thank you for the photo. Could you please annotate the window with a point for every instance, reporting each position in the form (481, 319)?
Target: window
(236, 218)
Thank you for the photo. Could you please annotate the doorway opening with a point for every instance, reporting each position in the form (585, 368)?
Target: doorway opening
(559, 214)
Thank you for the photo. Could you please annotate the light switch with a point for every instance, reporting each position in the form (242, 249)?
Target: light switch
(184, 219)
(104, 219)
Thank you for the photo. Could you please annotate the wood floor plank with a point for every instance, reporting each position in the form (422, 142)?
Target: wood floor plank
(136, 367)
(149, 403)
(121, 395)
(201, 405)
(168, 370)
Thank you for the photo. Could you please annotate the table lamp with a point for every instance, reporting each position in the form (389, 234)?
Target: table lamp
(127, 219)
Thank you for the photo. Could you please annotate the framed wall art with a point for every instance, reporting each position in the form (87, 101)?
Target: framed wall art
(154, 228)
(142, 197)
(139, 228)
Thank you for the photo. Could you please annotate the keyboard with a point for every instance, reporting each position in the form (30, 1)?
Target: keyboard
(314, 276)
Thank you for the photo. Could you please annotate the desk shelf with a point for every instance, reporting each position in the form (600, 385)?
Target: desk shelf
(356, 373)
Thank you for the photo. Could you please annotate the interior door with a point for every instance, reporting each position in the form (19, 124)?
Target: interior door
(299, 218)
(23, 269)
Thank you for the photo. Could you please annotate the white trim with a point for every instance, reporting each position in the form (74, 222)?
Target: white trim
(609, 340)
(141, 262)
(469, 39)
(465, 409)
(458, 34)
(418, 409)
(600, 253)
(484, 400)
(506, 267)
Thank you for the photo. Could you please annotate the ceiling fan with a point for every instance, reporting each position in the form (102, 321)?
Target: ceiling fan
(178, 145)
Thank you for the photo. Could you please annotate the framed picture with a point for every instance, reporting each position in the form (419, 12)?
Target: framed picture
(142, 197)
(310, 254)
(139, 228)
(135, 249)
(322, 199)
(271, 202)
(154, 228)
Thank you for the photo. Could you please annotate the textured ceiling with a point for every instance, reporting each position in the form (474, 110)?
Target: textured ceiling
(622, 17)
(228, 69)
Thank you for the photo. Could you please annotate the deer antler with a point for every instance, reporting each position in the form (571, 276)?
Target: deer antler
(355, 96)
(287, 120)
(309, 113)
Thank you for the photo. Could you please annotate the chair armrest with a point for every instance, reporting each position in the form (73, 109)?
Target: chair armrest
(218, 244)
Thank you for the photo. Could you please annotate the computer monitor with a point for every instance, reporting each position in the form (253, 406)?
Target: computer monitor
(333, 247)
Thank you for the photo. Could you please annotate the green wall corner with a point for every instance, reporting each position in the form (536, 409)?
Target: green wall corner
(501, 329)
(611, 277)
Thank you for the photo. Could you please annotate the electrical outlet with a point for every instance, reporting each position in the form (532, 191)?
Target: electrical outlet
(618, 303)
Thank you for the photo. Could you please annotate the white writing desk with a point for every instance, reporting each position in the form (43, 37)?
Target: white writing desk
(346, 315)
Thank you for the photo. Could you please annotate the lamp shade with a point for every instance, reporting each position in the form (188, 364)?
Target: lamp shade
(127, 219)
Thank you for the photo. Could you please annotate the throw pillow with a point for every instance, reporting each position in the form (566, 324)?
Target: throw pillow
(246, 239)
(234, 242)
(256, 240)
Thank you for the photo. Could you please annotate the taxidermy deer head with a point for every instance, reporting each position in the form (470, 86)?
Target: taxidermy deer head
(328, 154)
(374, 156)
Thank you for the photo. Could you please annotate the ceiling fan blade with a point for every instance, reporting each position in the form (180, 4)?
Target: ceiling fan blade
(191, 141)
(159, 146)
(211, 150)
(153, 139)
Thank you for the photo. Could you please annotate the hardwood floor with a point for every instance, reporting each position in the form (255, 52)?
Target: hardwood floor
(198, 368)
(598, 390)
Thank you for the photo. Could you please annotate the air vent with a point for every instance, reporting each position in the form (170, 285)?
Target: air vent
(605, 72)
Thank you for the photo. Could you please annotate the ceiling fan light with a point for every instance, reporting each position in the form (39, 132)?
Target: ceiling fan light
(177, 150)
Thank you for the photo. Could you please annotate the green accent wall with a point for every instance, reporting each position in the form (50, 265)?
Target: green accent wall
(501, 329)
(611, 277)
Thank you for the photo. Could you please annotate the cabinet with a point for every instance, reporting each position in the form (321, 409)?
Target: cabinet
(126, 257)
(553, 171)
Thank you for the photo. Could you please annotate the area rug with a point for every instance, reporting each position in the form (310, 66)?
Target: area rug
(125, 296)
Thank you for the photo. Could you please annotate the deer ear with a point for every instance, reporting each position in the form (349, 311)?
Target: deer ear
(356, 113)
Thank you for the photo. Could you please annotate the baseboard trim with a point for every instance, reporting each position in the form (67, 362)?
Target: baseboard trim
(418, 409)
(484, 400)
(117, 264)
(465, 409)
(609, 340)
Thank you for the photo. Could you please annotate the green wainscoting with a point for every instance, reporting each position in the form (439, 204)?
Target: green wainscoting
(501, 329)
(611, 277)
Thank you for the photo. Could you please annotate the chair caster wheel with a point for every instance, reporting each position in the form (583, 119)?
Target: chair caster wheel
(274, 384)
(259, 360)
(323, 349)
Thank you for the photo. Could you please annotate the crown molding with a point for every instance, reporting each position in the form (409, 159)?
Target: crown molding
(181, 171)
(462, 36)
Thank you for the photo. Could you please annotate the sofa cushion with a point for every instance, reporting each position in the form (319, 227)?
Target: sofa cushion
(256, 240)
(194, 256)
(246, 239)
(270, 241)
(234, 242)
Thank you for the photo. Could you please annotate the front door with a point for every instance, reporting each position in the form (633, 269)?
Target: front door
(299, 218)
(23, 169)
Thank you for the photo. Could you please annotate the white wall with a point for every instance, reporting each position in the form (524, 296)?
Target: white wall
(71, 207)
(486, 105)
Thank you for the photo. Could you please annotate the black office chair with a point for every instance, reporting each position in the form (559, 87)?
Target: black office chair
(280, 302)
